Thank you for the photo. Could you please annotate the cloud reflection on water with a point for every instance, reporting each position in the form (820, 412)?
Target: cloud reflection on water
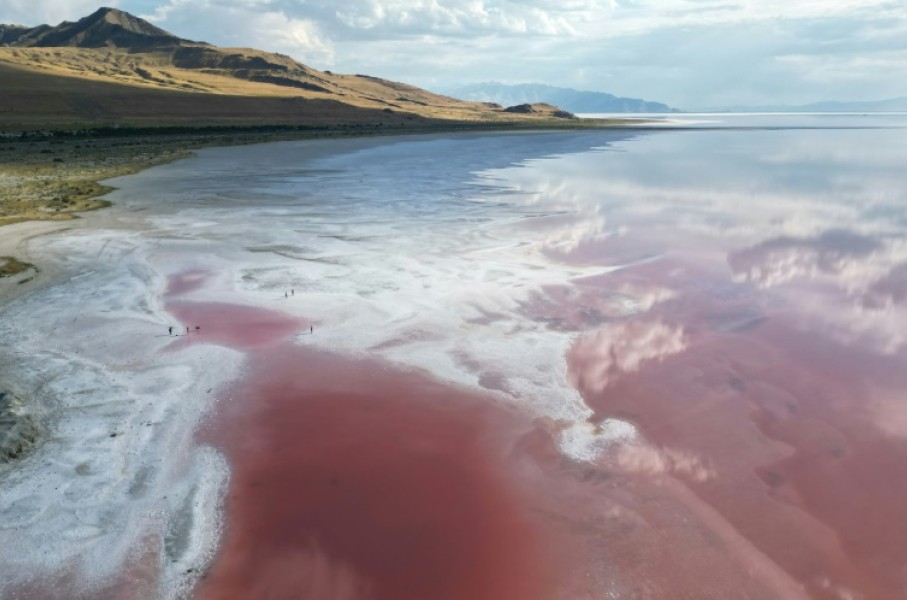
(792, 210)
(595, 359)
(740, 293)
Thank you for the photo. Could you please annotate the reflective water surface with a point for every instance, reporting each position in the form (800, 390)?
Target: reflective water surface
(628, 364)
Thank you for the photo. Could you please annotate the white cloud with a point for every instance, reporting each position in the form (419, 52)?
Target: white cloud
(687, 53)
(464, 17)
(596, 359)
(644, 459)
(313, 572)
(278, 32)
(37, 12)
(834, 68)
(569, 20)
(888, 412)
(260, 24)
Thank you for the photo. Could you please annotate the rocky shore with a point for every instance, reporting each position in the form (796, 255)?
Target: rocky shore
(18, 432)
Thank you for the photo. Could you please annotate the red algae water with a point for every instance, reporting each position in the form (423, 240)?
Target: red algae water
(352, 480)
(240, 327)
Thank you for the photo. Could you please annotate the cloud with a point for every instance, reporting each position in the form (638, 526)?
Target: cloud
(291, 36)
(36, 12)
(595, 360)
(888, 291)
(414, 20)
(688, 53)
(645, 296)
(261, 24)
(310, 571)
(581, 228)
(869, 274)
(832, 68)
(403, 18)
(644, 459)
(784, 259)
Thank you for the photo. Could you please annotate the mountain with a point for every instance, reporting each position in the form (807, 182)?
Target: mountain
(575, 101)
(112, 68)
(105, 28)
(539, 108)
(872, 106)
(11, 33)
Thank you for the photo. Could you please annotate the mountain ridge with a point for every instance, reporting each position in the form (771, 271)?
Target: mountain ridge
(569, 99)
(104, 28)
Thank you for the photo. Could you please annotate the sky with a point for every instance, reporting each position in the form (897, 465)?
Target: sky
(687, 53)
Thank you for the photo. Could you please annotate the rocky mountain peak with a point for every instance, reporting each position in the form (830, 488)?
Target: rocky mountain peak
(104, 28)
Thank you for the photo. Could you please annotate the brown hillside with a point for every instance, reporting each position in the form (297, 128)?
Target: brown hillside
(106, 27)
(42, 100)
(114, 68)
(540, 108)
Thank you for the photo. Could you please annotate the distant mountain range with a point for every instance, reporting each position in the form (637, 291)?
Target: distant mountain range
(890, 105)
(575, 101)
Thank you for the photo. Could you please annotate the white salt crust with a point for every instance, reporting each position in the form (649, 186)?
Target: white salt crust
(117, 474)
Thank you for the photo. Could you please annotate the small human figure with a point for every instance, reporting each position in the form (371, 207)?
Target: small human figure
(311, 329)
(187, 330)
(293, 292)
(171, 330)
(284, 294)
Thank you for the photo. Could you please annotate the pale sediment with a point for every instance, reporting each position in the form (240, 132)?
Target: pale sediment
(116, 479)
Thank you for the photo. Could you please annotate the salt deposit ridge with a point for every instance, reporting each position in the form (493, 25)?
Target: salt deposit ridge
(411, 250)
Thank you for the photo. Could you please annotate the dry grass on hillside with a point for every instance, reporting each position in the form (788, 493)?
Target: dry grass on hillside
(97, 86)
(46, 100)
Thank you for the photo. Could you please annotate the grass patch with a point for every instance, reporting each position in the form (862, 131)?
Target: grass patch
(10, 265)
(38, 186)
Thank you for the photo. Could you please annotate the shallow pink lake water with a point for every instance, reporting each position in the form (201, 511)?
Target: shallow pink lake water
(553, 366)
